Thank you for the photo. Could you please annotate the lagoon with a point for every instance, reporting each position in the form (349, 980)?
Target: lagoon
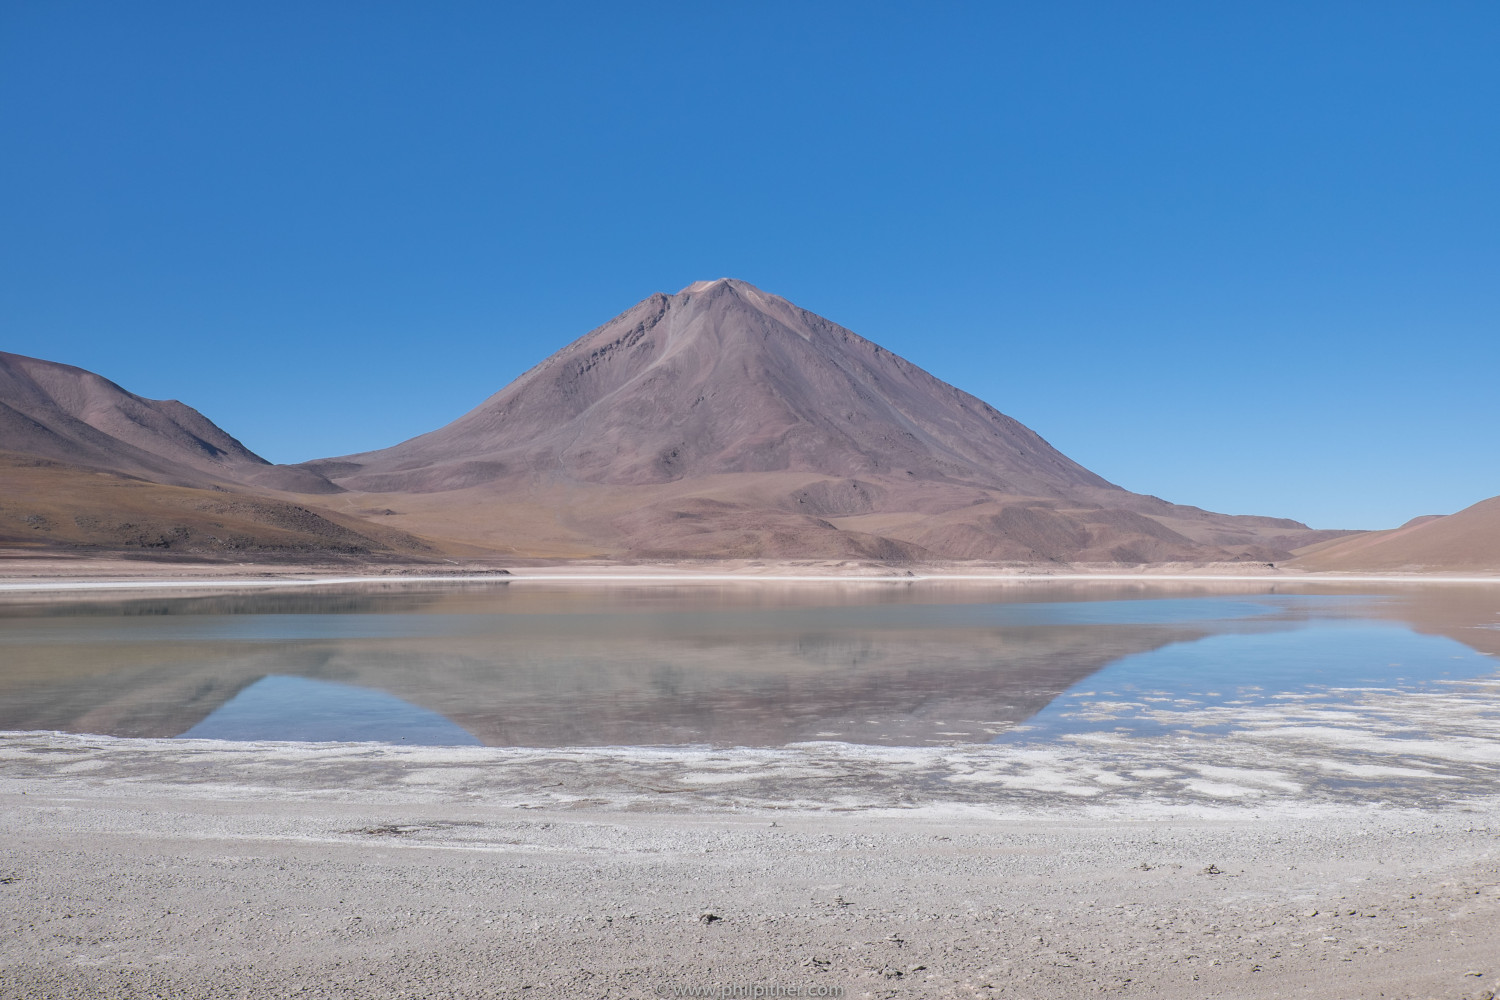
(750, 665)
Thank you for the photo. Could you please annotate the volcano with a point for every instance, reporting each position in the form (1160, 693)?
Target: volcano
(726, 421)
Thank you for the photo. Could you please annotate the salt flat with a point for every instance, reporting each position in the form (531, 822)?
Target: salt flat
(157, 868)
(1315, 841)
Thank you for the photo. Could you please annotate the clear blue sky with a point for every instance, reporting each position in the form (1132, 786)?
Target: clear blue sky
(1237, 255)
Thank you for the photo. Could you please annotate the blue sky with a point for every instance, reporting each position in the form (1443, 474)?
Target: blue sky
(1240, 256)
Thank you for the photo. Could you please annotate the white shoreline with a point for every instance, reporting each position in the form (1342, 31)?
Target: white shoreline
(155, 886)
(671, 577)
(1285, 755)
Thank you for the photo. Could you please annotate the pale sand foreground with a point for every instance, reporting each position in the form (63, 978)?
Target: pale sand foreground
(167, 869)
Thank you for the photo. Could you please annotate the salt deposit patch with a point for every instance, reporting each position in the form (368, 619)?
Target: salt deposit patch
(444, 776)
(1219, 790)
(710, 778)
(1415, 749)
(1247, 776)
(1375, 771)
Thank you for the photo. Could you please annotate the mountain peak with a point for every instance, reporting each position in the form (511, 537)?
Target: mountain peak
(734, 284)
(723, 378)
(725, 420)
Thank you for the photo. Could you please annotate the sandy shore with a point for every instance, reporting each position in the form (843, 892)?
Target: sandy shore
(1347, 859)
(153, 869)
(21, 575)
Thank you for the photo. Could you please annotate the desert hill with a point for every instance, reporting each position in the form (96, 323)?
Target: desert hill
(66, 414)
(89, 465)
(48, 506)
(720, 422)
(726, 421)
(722, 378)
(1468, 541)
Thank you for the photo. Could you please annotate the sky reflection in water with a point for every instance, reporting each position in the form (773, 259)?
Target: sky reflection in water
(1168, 690)
(302, 710)
(731, 667)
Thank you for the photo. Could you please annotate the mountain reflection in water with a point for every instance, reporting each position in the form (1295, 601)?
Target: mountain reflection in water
(1215, 684)
(662, 665)
(302, 710)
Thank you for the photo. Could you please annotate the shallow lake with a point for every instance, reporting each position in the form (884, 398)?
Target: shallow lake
(755, 665)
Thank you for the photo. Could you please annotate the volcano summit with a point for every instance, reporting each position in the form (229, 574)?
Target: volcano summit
(724, 421)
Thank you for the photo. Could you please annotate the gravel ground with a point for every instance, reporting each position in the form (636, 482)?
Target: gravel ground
(138, 869)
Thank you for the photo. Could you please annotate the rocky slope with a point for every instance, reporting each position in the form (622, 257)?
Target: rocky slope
(66, 414)
(726, 421)
(87, 465)
(720, 422)
(1465, 542)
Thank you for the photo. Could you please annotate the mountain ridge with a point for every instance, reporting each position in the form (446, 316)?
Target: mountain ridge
(1465, 541)
(720, 422)
(581, 372)
(825, 430)
(87, 464)
(69, 414)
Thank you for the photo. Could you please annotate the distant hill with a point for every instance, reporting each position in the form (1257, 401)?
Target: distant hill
(86, 464)
(726, 421)
(48, 506)
(1468, 541)
(720, 422)
(70, 415)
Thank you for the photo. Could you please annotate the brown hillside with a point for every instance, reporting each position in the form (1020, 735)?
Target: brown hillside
(1468, 541)
(48, 506)
(725, 421)
(720, 422)
(88, 465)
(70, 415)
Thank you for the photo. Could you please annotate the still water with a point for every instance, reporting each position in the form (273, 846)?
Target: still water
(759, 665)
